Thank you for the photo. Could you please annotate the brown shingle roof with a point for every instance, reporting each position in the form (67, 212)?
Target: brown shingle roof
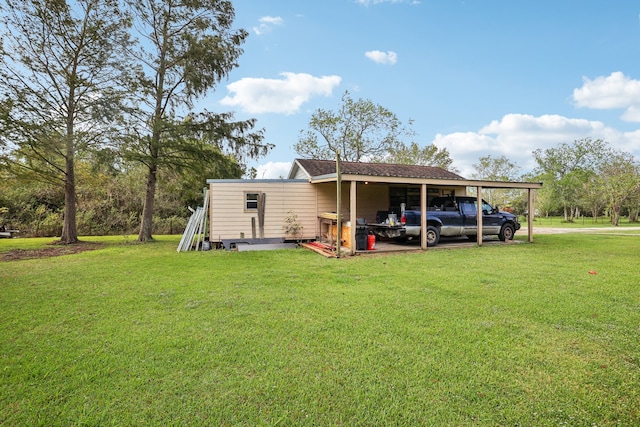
(327, 167)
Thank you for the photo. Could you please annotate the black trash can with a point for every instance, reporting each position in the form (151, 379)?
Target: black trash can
(361, 238)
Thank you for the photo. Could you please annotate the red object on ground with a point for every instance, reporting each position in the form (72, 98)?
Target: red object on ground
(593, 272)
(371, 242)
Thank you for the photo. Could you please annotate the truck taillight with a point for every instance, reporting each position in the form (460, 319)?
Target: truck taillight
(403, 219)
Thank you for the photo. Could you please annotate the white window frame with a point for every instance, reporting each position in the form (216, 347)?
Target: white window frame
(251, 203)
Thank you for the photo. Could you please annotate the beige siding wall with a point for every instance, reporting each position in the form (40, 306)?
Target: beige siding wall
(370, 198)
(228, 217)
(327, 198)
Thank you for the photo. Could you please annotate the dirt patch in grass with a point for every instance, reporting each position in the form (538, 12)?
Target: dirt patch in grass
(53, 250)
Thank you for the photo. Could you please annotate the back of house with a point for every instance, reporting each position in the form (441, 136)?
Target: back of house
(254, 208)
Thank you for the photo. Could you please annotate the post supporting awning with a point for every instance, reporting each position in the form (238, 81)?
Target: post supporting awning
(479, 217)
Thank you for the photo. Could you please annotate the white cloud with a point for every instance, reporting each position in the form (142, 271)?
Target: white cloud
(273, 170)
(266, 24)
(516, 136)
(515, 131)
(283, 96)
(611, 92)
(386, 58)
(632, 114)
(630, 142)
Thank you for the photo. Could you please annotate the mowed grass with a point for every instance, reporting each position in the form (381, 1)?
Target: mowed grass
(581, 222)
(515, 334)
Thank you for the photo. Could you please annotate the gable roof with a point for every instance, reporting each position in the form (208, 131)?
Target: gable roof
(317, 168)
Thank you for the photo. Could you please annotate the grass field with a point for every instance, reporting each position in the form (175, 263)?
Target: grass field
(542, 334)
(587, 222)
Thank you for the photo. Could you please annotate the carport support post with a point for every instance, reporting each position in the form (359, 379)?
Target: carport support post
(479, 220)
(423, 217)
(338, 205)
(530, 216)
(352, 217)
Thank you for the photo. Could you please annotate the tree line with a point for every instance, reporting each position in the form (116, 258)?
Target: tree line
(589, 176)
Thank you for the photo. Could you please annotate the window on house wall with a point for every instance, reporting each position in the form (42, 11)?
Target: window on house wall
(250, 201)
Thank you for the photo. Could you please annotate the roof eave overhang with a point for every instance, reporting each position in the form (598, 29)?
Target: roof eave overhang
(428, 181)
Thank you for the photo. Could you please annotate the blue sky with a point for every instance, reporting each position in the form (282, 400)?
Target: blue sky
(477, 77)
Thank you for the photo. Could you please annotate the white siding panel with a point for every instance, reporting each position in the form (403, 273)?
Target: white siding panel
(300, 174)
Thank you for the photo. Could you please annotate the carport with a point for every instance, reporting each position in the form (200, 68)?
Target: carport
(337, 178)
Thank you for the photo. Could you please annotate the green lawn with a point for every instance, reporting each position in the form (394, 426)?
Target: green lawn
(582, 222)
(130, 334)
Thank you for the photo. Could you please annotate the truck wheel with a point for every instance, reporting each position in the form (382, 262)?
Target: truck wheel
(433, 235)
(506, 232)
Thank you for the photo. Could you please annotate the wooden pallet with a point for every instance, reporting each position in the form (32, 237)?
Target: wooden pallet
(321, 248)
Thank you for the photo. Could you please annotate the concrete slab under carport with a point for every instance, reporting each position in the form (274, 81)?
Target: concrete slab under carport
(356, 181)
(386, 246)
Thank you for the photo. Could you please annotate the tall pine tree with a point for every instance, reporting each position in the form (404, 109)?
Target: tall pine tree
(60, 95)
(185, 49)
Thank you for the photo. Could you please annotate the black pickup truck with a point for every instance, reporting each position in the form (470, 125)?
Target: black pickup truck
(450, 217)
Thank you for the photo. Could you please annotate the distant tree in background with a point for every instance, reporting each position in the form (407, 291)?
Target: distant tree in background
(186, 48)
(33, 207)
(366, 132)
(564, 170)
(620, 183)
(633, 205)
(360, 129)
(500, 168)
(496, 169)
(60, 95)
(594, 199)
(589, 175)
(413, 154)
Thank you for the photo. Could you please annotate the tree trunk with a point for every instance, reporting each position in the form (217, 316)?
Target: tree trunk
(615, 219)
(147, 212)
(69, 230)
(615, 215)
(154, 144)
